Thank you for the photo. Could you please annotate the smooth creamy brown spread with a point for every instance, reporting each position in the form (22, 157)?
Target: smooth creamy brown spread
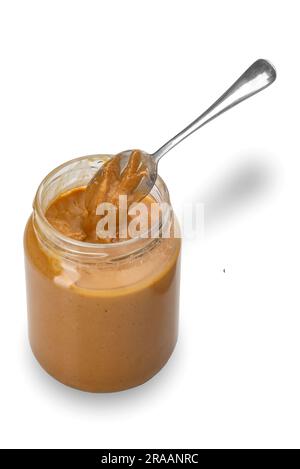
(73, 213)
(108, 184)
(95, 325)
(68, 215)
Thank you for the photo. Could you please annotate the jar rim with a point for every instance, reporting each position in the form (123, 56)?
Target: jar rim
(81, 247)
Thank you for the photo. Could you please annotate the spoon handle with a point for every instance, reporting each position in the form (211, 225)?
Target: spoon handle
(256, 78)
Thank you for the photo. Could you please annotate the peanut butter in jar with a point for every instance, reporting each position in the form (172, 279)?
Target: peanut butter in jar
(103, 316)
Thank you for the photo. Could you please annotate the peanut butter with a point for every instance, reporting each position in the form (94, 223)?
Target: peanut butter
(108, 185)
(74, 212)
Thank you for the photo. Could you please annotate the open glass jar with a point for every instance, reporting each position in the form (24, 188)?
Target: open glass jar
(102, 317)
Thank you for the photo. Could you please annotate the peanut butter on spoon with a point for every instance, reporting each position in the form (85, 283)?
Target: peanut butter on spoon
(111, 182)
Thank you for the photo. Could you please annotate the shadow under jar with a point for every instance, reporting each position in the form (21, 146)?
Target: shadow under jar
(102, 317)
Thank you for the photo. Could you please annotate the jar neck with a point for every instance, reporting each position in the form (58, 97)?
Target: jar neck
(77, 173)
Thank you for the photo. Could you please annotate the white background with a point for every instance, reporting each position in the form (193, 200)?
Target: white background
(82, 77)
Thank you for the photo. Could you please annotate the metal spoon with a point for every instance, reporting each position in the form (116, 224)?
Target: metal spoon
(257, 77)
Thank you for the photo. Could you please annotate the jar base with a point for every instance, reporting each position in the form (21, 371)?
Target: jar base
(104, 389)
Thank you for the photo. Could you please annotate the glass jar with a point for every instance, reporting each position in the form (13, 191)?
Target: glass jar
(102, 317)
